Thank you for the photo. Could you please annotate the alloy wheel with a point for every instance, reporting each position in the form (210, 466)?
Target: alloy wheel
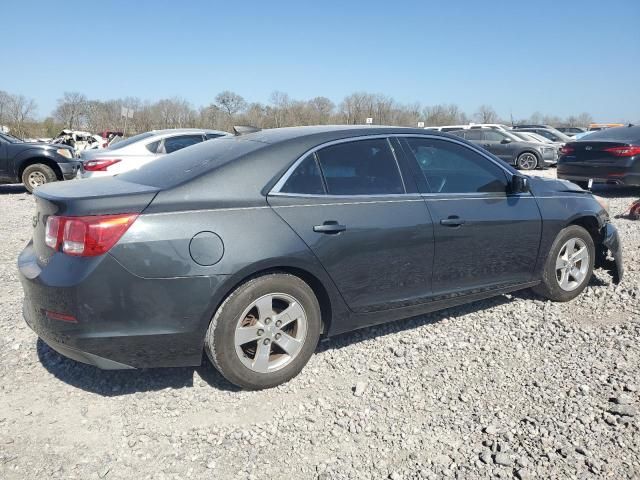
(572, 264)
(527, 161)
(270, 332)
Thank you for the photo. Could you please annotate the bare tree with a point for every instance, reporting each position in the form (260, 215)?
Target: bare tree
(230, 102)
(486, 114)
(21, 111)
(71, 110)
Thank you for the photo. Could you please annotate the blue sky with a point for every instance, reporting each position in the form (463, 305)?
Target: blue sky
(557, 57)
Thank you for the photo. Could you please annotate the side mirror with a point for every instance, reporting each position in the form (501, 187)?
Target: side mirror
(519, 184)
(505, 140)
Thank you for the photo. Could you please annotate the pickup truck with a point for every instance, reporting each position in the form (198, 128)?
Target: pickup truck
(34, 163)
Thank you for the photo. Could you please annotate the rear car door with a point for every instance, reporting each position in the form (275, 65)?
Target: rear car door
(348, 202)
(484, 237)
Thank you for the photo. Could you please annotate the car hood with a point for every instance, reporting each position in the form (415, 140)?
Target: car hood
(541, 186)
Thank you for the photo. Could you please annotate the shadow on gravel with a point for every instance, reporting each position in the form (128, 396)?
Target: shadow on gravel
(615, 191)
(15, 188)
(112, 383)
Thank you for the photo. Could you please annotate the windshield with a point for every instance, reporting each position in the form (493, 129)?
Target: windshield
(561, 136)
(130, 140)
(10, 138)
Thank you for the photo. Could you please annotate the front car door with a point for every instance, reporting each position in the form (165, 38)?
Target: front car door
(485, 237)
(495, 142)
(347, 200)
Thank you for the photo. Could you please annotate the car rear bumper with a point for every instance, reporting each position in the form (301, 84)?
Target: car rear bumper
(610, 174)
(95, 311)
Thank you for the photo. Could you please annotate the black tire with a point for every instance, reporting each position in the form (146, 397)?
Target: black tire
(523, 162)
(37, 174)
(550, 286)
(220, 338)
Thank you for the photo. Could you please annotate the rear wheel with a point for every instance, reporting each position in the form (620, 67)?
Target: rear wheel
(265, 331)
(569, 265)
(36, 175)
(527, 161)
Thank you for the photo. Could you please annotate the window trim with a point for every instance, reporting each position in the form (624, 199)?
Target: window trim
(275, 191)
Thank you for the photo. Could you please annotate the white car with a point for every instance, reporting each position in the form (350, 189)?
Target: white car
(453, 128)
(131, 153)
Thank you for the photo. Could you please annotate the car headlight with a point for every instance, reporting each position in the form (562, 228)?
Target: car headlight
(64, 152)
(602, 202)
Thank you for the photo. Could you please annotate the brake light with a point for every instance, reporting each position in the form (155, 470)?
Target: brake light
(567, 150)
(99, 165)
(628, 151)
(87, 236)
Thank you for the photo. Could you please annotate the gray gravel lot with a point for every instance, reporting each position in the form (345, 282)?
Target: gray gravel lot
(512, 387)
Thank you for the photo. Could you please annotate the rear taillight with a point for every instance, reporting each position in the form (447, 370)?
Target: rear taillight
(567, 150)
(52, 232)
(87, 236)
(628, 151)
(99, 165)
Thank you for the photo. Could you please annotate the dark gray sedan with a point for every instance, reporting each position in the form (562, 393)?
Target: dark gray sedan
(512, 149)
(250, 248)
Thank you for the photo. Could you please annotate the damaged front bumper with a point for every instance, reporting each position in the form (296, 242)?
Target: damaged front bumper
(609, 252)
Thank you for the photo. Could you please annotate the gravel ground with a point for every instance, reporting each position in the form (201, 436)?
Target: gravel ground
(512, 387)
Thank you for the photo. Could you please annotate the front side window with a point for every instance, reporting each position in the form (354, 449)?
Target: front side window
(453, 168)
(173, 144)
(493, 136)
(362, 167)
(473, 135)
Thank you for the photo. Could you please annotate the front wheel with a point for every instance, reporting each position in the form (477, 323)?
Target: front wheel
(527, 161)
(36, 175)
(264, 333)
(569, 265)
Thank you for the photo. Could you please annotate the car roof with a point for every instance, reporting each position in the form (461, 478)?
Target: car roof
(170, 131)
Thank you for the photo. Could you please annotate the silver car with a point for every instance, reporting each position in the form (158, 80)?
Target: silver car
(136, 151)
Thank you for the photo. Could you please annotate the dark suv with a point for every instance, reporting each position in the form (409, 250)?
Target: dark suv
(35, 164)
(511, 149)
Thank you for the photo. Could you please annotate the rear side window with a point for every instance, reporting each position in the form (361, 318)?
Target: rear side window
(305, 179)
(362, 167)
(153, 146)
(452, 168)
(173, 144)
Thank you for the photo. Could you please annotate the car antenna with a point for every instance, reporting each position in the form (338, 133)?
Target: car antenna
(244, 129)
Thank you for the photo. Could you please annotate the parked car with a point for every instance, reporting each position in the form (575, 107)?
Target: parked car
(136, 151)
(251, 247)
(571, 131)
(453, 128)
(34, 163)
(534, 137)
(525, 155)
(79, 140)
(608, 156)
(578, 136)
(547, 132)
(595, 127)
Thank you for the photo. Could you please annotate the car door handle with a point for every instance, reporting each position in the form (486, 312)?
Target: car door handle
(330, 227)
(452, 221)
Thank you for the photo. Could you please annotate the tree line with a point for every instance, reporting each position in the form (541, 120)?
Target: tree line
(77, 112)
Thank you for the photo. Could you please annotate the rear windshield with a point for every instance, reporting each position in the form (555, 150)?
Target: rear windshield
(189, 163)
(616, 134)
(130, 140)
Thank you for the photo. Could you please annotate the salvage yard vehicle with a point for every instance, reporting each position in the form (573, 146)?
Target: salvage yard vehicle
(524, 155)
(136, 151)
(79, 140)
(251, 247)
(547, 132)
(608, 156)
(35, 163)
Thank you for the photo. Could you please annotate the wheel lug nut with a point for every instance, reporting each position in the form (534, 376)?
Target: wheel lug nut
(267, 321)
(266, 341)
(260, 332)
(278, 323)
(278, 336)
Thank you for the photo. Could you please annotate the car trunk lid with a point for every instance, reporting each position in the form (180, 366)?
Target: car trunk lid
(101, 196)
